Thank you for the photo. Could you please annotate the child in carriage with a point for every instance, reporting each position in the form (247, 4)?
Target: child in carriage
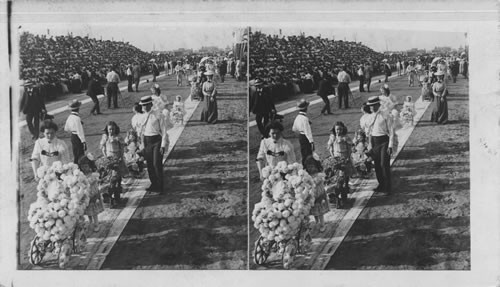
(134, 161)
(361, 161)
(178, 111)
(408, 112)
(320, 207)
(339, 167)
(88, 167)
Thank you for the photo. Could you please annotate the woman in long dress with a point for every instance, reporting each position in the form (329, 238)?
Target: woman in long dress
(209, 113)
(440, 110)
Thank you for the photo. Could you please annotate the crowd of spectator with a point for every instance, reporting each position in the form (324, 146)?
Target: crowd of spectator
(64, 64)
(283, 60)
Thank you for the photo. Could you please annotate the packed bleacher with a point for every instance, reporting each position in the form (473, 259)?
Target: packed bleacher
(282, 60)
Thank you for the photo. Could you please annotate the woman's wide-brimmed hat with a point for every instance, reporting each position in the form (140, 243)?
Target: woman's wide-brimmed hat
(75, 104)
(439, 73)
(384, 60)
(146, 100)
(303, 104)
(209, 73)
(373, 101)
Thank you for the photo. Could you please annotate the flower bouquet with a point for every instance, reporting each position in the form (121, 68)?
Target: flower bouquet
(287, 197)
(61, 201)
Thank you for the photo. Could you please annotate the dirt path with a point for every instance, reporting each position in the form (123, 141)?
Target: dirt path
(426, 224)
(320, 127)
(201, 223)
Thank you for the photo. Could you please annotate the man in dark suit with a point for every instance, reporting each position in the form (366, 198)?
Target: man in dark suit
(325, 89)
(136, 72)
(262, 105)
(32, 105)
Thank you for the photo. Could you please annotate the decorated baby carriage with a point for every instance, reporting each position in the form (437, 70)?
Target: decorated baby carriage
(57, 214)
(282, 215)
(335, 182)
(110, 180)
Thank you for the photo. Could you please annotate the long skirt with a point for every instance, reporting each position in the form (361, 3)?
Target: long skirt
(209, 113)
(440, 111)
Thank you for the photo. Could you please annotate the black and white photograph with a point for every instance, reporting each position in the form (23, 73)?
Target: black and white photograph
(132, 151)
(250, 143)
(361, 147)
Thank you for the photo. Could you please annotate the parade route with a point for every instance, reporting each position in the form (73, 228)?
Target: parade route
(338, 222)
(113, 221)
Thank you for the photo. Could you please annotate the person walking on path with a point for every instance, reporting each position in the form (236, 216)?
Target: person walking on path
(381, 141)
(93, 90)
(130, 78)
(325, 89)
(387, 71)
(399, 67)
(302, 126)
(156, 71)
(48, 149)
(74, 125)
(155, 139)
(262, 106)
(361, 75)
(440, 92)
(112, 87)
(368, 75)
(209, 113)
(344, 80)
(274, 148)
(32, 105)
(136, 73)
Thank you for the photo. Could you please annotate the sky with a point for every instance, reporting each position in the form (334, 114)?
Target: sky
(163, 38)
(145, 37)
(377, 39)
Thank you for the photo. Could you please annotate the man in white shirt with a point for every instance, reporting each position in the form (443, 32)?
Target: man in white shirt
(344, 80)
(155, 139)
(382, 135)
(302, 126)
(74, 126)
(274, 148)
(112, 87)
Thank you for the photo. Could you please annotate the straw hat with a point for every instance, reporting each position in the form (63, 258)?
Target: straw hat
(209, 73)
(303, 104)
(373, 101)
(146, 100)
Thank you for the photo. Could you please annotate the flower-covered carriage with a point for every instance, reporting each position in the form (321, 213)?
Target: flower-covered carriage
(282, 215)
(57, 214)
(336, 185)
(110, 179)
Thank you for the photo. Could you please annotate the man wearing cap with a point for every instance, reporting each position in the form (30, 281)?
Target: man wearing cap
(325, 89)
(381, 140)
(74, 126)
(302, 126)
(387, 71)
(344, 80)
(261, 105)
(112, 87)
(155, 139)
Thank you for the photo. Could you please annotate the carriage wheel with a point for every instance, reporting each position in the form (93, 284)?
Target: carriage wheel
(37, 251)
(64, 253)
(289, 253)
(261, 252)
(79, 240)
(306, 243)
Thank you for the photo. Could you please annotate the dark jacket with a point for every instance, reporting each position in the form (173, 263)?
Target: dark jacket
(33, 101)
(94, 88)
(261, 103)
(325, 88)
